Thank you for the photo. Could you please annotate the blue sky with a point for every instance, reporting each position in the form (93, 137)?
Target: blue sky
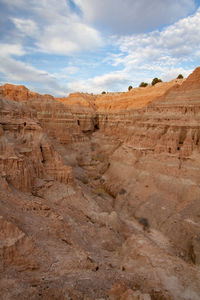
(64, 46)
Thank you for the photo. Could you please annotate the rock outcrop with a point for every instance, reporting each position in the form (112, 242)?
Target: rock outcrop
(25, 150)
(99, 194)
(159, 166)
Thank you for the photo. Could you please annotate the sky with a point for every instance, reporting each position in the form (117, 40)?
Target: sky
(59, 47)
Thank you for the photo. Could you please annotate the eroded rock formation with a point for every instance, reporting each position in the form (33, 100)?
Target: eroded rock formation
(99, 194)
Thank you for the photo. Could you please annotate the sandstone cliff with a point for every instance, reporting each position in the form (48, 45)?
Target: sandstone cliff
(99, 194)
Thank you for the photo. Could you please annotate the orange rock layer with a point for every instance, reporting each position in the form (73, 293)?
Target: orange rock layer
(99, 194)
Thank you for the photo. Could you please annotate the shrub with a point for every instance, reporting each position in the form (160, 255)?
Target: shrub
(180, 76)
(130, 87)
(143, 84)
(122, 191)
(145, 223)
(156, 80)
(103, 93)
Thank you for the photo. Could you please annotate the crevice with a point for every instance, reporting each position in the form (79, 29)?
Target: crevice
(182, 136)
(96, 127)
(43, 160)
(96, 122)
(191, 254)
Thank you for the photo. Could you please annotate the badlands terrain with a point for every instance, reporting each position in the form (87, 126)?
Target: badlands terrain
(100, 194)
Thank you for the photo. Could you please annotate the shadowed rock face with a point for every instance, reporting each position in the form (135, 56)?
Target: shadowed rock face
(99, 194)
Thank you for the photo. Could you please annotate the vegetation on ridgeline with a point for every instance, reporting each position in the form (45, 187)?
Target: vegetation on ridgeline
(130, 87)
(143, 84)
(156, 80)
(180, 76)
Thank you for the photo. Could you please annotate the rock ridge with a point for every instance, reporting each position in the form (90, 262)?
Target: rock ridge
(99, 194)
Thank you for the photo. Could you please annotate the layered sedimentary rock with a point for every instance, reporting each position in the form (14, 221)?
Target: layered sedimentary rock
(16, 249)
(25, 150)
(159, 165)
(99, 194)
(135, 98)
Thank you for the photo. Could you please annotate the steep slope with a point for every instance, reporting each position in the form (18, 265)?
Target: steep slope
(99, 191)
(134, 99)
(159, 165)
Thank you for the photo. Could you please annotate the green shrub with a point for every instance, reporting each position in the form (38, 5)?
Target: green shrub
(180, 76)
(103, 93)
(130, 87)
(156, 80)
(143, 84)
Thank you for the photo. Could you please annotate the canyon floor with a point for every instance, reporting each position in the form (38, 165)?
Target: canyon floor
(100, 194)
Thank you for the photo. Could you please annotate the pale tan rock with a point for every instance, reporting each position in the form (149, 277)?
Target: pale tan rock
(130, 295)
(120, 291)
(15, 247)
(77, 176)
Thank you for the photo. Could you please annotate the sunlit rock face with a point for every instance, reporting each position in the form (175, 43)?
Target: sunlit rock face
(99, 194)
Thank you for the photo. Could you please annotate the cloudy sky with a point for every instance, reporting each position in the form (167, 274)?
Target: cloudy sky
(64, 46)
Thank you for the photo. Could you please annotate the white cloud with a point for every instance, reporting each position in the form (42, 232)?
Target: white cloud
(169, 74)
(67, 38)
(130, 16)
(113, 81)
(70, 70)
(144, 56)
(174, 44)
(65, 74)
(55, 29)
(18, 71)
(11, 49)
(28, 27)
(16, 3)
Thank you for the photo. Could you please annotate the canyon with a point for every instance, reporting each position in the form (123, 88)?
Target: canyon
(100, 194)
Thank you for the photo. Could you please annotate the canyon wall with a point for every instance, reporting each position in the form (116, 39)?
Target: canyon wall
(101, 190)
(158, 165)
